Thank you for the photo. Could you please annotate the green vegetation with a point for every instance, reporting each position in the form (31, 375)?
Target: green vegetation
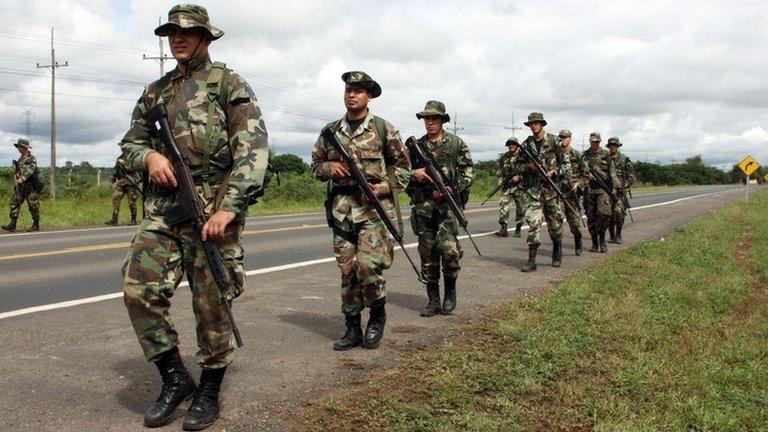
(668, 335)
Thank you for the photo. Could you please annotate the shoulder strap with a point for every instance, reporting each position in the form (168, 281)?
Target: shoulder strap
(381, 129)
(213, 85)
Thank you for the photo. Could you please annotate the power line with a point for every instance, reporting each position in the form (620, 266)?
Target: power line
(28, 122)
(162, 58)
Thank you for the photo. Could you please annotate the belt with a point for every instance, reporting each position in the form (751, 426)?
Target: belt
(213, 178)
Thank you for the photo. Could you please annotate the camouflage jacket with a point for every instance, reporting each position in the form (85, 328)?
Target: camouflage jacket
(383, 160)
(123, 177)
(507, 170)
(547, 151)
(237, 144)
(579, 169)
(452, 157)
(603, 164)
(26, 168)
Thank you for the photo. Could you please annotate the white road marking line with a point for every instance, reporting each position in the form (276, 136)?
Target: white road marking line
(71, 303)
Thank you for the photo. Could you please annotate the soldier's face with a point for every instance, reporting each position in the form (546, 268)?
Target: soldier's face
(613, 149)
(513, 148)
(566, 142)
(356, 98)
(594, 145)
(187, 44)
(433, 124)
(536, 127)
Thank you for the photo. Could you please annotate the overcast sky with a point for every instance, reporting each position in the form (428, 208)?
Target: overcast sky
(671, 79)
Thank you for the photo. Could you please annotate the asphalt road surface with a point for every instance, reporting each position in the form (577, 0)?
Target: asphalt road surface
(70, 361)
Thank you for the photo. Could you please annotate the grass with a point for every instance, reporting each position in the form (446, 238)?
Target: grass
(668, 335)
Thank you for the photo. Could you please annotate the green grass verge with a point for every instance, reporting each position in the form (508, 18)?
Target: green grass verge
(668, 335)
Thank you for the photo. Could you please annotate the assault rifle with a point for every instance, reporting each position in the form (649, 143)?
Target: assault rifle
(190, 210)
(504, 182)
(543, 173)
(438, 179)
(15, 175)
(368, 194)
(604, 186)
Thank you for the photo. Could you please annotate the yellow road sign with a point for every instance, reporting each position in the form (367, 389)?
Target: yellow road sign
(765, 177)
(749, 165)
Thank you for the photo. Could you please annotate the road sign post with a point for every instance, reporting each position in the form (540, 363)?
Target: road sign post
(748, 165)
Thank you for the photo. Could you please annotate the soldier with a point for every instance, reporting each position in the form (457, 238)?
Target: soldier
(361, 244)
(597, 202)
(124, 183)
(431, 217)
(626, 177)
(217, 123)
(573, 182)
(26, 186)
(540, 200)
(510, 192)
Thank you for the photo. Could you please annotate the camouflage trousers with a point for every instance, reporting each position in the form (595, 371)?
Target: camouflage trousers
(573, 217)
(537, 210)
(619, 212)
(508, 199)
(597, 206)
(119, 193)
(158, 258)
(363, 251)
(33, 202)
(438, 232)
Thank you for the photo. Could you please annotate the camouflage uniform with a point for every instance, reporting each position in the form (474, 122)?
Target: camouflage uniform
(29, 190)
(575, 176)
(597, 203)
(361, 244)
(232, 139)
(626, 176)
(432, 221)
(123, 183)
(511, 194)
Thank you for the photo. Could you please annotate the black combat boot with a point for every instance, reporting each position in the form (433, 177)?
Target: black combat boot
(35, 226)
(178, 385)
(618, 233)
(133, 217)
(611, 233)
(557, 253)
(11, 227)
(204, 409)
(112, 221)
(601, 240)
(449, 302)
(518, 226)
(353, 336)
(595, 242)
(530, 266)
(577, 241)
(502, 232)
(374, 331)
(433, 307)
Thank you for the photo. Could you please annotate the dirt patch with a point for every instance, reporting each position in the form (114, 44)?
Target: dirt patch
(406, 328)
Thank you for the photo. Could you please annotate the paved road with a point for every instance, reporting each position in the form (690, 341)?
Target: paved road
(80, 368)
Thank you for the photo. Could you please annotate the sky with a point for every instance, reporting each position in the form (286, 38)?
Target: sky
(671, 79)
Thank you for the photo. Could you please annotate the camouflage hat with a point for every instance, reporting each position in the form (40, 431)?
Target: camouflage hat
(565, 133)
(362, 80)
(613, 141)
(434, 108)
(535, 117)
(188, 16)
(595, 136)
(512, 141)
(21, 143)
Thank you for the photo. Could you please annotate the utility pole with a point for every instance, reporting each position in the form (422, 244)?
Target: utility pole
(513, 128)
(456, 127)
(27, 122)
(53, 66)
(162, 57)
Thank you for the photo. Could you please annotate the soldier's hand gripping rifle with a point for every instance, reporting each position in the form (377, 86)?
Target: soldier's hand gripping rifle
(543, 173)
(190, 210)
(370, 196)
(438, 180)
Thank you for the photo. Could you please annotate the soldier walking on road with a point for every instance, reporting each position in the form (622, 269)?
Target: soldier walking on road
(26, 186)
(361, 243)
(124, 183)
(510, 192)
(626, 177)
(573, 182)
(217, 124)
(597, 202)
(540, 200)
(431, 217)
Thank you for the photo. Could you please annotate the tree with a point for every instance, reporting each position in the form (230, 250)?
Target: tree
(289, 163)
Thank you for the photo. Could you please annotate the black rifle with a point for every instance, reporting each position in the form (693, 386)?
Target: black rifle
(190, 211)
(491, 194)
(543, 173)
(15, 176)
(625, 200)
(572, 193)
(438, 179)
(604, 186)
(365, 188)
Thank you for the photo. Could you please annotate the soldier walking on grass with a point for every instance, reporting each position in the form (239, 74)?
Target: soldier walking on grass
(510, 191)
(124, 182)
(597, 202)
(361, 244)
(626, 177)
(540, 200)
(573, 182)
(217, 124)
(431, 217)
(27, 186)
